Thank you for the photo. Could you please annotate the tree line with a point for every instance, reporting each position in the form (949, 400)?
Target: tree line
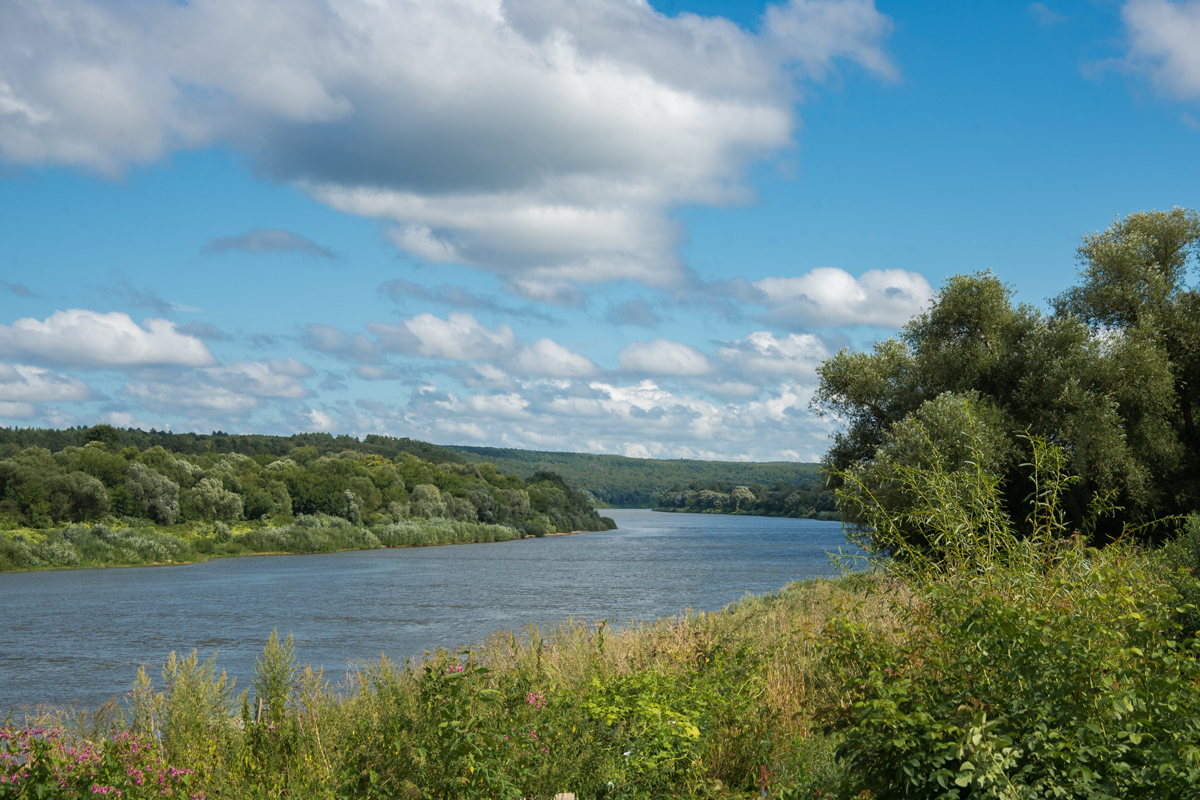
(807, 501)
(99, 479)
(1110, 377)
(624, 482)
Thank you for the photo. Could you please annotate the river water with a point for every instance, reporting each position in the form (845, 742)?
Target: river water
(78, 636)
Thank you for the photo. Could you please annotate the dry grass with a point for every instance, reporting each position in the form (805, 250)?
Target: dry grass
(785, 629)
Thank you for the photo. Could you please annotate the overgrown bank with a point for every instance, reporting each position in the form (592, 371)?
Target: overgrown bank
(99, 545)
(980, 662)
(101, 504)
(689, 706)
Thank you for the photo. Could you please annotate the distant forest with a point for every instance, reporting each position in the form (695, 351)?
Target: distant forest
(50, 478)
(812, 501)
(623, 482)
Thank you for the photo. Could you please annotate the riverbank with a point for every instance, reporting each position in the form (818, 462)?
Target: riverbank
(98, 546)
(690, 705)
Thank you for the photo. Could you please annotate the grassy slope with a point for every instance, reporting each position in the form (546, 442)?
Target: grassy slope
(622, 482)
(776, 638)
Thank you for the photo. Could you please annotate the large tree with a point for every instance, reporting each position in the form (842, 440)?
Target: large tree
(1112, 376)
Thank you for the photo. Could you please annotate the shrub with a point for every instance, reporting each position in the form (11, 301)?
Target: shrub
(1031, 667)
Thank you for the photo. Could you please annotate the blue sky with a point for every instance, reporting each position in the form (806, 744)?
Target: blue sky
(604, 226)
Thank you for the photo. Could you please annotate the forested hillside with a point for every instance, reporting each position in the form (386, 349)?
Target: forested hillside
(623, 482)
(296, 500)
(13, 440)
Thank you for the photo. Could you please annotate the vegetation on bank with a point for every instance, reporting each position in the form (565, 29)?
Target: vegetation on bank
(1110, 375)
(689, 706)
(813, 501)
(102, 504)
(623, 482)
(993, 653)
(1000, 664)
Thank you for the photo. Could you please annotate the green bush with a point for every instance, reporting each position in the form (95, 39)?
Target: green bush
(1029, 666)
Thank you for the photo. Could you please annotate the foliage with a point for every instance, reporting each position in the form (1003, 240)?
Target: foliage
(690, 706)
(1031, 665)
(40, 763)
(1105, 377)
(349, 500)
(623, 482)
(807, 502)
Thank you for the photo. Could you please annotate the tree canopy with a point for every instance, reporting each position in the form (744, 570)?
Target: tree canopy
(1111, 375)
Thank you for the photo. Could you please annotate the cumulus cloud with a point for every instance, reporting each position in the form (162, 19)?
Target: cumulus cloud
(268, 240)
(664, 357)
(828, 297)
(1162, 43)
(90, 339)
(232, 389)
(549, 358)
(762, 355)
(327, 339)
(17, 410)
(643, 419)
(21, 382)
(459, 337)
(546, 140)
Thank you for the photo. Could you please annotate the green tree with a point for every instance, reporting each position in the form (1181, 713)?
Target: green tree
(1105, 377)
(210, 501)
(157, 496)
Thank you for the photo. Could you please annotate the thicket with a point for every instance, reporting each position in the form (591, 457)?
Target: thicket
(1029, 664)
(1110, 376)
(812, 501)
(97, 505)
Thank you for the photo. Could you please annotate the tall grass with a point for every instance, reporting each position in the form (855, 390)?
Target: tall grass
(693, 705)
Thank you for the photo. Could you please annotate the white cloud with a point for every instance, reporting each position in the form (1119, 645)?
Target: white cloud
(763, 355)
(90, 339)
(20, 382)
(664, 357)
(16, 410)
(829, 297)
(319, 420)
(551, 359)
(643, 419)
(459, 337)
(541, 139)
(1163, 39)
(228, 389)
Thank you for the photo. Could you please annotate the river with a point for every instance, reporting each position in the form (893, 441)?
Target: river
(78, 636)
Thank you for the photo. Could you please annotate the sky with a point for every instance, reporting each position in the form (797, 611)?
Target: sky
(605, 226)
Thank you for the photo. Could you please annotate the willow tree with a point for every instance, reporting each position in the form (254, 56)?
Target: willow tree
(1112, 376)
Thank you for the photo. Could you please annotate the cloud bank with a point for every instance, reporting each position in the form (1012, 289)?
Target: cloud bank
(544, 140)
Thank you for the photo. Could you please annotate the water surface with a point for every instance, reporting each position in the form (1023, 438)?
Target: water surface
(78, 636)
